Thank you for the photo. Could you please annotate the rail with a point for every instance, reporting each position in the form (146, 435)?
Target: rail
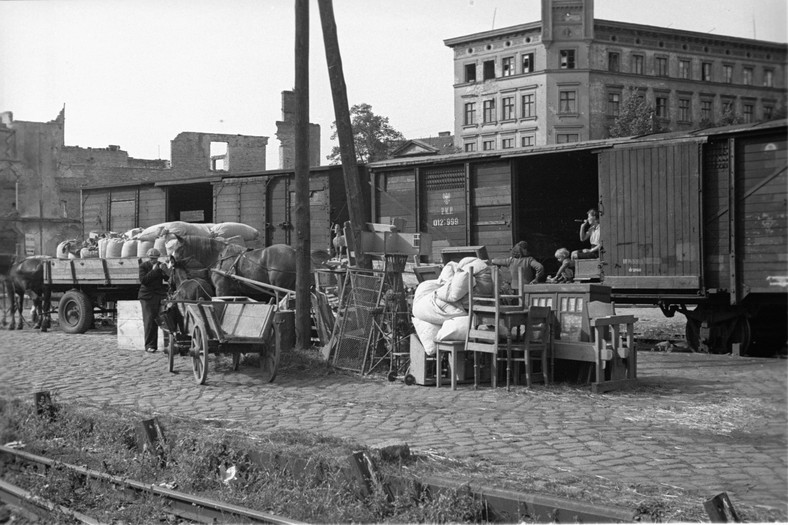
(187, 506)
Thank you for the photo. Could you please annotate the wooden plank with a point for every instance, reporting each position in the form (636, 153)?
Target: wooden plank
(683, 282)
(577, 351)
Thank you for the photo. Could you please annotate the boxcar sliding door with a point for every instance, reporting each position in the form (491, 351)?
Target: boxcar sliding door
(650, 204)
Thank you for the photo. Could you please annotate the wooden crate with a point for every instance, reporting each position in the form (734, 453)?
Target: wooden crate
(131, 334)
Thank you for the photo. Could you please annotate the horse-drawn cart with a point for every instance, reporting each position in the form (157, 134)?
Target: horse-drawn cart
(225, 325)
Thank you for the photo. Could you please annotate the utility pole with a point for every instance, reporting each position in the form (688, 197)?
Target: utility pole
(303, 235)
(356, 198)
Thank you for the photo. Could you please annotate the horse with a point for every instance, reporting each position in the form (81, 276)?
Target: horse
(187, 282)
(28, 276)
(275, 265)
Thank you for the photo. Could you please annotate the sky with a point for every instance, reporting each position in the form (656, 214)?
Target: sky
(136, 73)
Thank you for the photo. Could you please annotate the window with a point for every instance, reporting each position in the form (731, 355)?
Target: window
(507, 143)
(768, 78)
(684, 110)
(470, 113)
(219, 156)
(507, 108)
(489, 110)
(507, 67)
(661, 66)
(746, 76)
(727, 74)
(727, 106)
(563, 138)
(567, 59)
(529, 105)
(567, 102)
(528, 63)
(489, 69)
(637, 64)
(488, 145)
(527, 141)
(747, 111)
(685, 66)
(768, 111)
(706, 72)
(470, 72)
(613, 62)
(470, 146)
(662, 107)
(613, 104)
(705, 110)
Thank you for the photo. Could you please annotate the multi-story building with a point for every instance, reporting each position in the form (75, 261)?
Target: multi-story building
(566, 77)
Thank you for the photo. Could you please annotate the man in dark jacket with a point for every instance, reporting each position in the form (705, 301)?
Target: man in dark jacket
(152, 292)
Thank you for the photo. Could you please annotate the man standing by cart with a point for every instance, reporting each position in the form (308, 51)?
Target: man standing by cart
(152, 292)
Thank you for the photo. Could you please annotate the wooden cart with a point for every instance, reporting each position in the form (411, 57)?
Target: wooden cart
(225, 325)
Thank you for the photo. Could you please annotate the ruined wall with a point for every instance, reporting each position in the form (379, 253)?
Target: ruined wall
(191, 153)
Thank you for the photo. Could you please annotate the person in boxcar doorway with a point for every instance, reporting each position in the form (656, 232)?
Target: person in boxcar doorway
(590, 231)
(533, 271)
(566, 272)
(152, 292)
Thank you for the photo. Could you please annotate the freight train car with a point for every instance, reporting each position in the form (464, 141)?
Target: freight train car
(695, 222)
(264, 200)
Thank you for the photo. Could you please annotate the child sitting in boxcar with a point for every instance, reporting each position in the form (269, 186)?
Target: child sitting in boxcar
(566, 272)
(590, 231)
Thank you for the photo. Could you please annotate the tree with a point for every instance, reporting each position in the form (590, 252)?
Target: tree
(372, 135)
(636, 117)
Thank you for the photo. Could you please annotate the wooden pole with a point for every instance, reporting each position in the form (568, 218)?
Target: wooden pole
(303, 236)
(358, 207)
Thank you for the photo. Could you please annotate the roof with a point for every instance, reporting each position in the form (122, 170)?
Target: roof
(441, 144)
(692, 135)
(485, 35)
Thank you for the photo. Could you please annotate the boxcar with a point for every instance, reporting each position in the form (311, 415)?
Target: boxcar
(695, 222)
(263, 200)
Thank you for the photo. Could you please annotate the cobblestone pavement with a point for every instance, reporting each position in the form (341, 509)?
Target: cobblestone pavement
(699, 422)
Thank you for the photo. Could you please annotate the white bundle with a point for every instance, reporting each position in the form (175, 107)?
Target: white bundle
(143, 247)
(129, 249)
(151, 232)
(114, 248)
(229, 230)
(187, 228)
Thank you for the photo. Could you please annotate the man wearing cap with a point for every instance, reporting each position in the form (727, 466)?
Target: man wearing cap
(152, 292)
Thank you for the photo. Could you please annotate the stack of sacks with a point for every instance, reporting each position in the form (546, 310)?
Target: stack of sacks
(443, 299)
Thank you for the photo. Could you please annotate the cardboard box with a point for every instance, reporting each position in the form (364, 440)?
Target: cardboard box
(131, 334)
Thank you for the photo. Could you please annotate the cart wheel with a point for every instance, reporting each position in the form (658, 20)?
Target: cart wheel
(199, 354)
(410, 380)
(392, 376)
(269, 361)
(171, 351)
(236, 360)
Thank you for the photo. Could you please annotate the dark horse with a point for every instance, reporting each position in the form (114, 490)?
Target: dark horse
(188, 282)
(28, 276)
(275, 265)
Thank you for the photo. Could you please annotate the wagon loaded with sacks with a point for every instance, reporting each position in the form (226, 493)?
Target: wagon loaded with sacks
(93, 282)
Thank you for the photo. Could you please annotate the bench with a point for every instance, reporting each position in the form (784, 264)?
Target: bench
(612, 350)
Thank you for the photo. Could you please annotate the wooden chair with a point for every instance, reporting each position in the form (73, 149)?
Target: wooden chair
(536, 345)
(484, 311)
(612, 347)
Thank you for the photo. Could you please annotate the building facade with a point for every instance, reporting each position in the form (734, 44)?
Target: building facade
(566, 77)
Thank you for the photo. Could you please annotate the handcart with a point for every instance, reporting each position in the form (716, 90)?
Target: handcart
(225, 325)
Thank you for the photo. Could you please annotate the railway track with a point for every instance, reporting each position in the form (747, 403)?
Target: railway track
(185, 506)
